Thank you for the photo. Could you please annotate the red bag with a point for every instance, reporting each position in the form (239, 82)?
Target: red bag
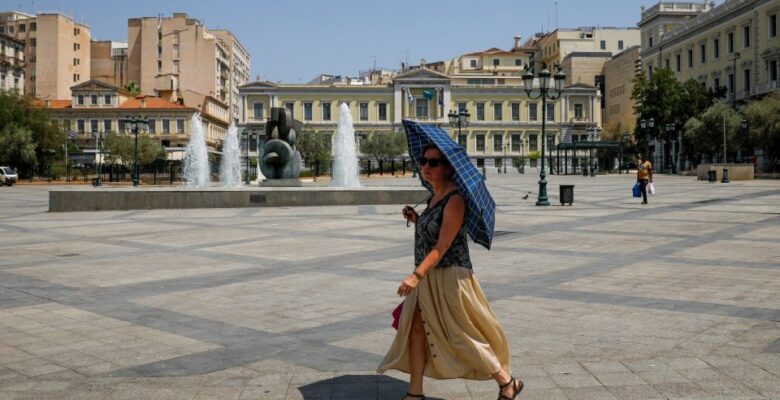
(397, 315)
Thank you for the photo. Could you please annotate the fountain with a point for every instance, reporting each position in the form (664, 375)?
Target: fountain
(196, 161)
(230, 167)
(345, 161)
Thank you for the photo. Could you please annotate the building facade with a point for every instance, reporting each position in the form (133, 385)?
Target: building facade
(97, 108)
(167, 56)
(109, 62)
(11, 63)
(552, 48)
(504, 123)
(57, 51)
(619, 74)
(735, 44)
(238, 69)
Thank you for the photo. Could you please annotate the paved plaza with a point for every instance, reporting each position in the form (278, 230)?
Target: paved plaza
(607, 299)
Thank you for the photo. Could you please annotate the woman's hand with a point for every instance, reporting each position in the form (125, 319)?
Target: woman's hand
(408, 285)
(409, 213)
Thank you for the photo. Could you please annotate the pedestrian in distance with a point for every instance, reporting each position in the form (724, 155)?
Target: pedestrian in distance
(644, 175)
(447, 329)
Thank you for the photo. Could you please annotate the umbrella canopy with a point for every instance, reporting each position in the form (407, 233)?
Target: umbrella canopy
(481, 217)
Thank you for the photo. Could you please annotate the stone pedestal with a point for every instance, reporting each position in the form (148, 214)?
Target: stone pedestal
(280, 183)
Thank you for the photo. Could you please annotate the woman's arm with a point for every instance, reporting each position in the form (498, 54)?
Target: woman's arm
(452, 220)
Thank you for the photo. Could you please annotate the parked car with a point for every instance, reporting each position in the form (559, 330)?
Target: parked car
(8, 176)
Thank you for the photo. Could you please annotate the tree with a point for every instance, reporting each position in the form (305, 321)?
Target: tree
(383, 146)
(706, 131)
(658, 98)
(17, 146)
(314, 147)
(23, 112)
(120, 149)
(133, 88)
(764, 120)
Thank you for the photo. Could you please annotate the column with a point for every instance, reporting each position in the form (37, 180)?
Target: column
(447, 101)
(398, 104)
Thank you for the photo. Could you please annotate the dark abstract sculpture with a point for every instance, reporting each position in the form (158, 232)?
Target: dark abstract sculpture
(281, 160)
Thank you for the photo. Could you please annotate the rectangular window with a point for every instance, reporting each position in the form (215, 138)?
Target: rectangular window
(75, 77)
(176, 68)
(462, 140)
(677, 62)
(747, 82)
(326, 111)
(257, 110)
(107, 99)
(578, 111)
(746, 36)
(80, 125)
(772, 25)
(603, 45)
(650, 41)
(473, 63)
(93, 125)
(667, 64)
(382, 111)
(498, 143)
(532, 113)
(179, 126)
(22, 28)
(773, 70)
(166, 126)
(496, 62)
(702, 53)
(716, 48)
(152, 126)
(159, 66)
(80, 99)
(515, 143)
(620, 45)
(461, 107)
(175, 51)
(480, 142)
(106, 125)
(518, 62)
(515, 111)
(364, 111)
(33, 27)
(291, 107)
(551, 111)
(498, 112)
(75, 46)
(533, 142)
(690, 58)
(120, 126)
(421, 107)
(730, 42)
(480, 111)
(731, 84)
(715, 83)
(94, 99)
(308, 112)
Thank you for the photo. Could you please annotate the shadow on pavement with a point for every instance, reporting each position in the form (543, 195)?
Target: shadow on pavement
(357, 387)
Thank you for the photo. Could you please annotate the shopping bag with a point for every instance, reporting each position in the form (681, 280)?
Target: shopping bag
(651, 188)
(397, 315)
(637, 191)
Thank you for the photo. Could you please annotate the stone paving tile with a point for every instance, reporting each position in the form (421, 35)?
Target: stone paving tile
(585, 318)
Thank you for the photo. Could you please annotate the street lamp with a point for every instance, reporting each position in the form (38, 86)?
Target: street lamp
(593, 134)
(734, 58)
(503, 147)
(544, 81)
(670, 129)
(623, 144)
(646, 125)
(247, 136)
(134, 124)
(459, 120)
(97, 155)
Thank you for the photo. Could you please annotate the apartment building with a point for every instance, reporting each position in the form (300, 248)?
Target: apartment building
(619, 73)
(11, 63)
(735, 44)
(168, 55)
(57, 51)
(553, 47)
(109, 62)
(238, 69)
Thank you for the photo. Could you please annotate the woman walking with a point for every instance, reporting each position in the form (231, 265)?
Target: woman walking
(447, 329)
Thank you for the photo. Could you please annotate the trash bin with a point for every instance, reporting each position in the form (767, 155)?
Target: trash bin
(566, 194)
(94, 181)
(712, 177)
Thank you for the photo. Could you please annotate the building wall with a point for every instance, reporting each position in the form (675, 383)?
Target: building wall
(57, 52)
(11, 64)
(239, 63)
(583, 69)
(740, 18)
(555, 46)
(619, 73)
(106, 66)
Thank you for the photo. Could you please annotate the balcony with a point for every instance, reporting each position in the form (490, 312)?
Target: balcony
(580, 121)
(765, 88)
(428, 120)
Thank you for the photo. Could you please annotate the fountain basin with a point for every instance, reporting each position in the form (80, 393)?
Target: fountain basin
(112, 199)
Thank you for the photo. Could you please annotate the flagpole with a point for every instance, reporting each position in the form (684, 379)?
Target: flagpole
(67, 171)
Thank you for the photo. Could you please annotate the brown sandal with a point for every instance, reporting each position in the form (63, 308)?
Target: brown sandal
(511, 382)
(415, 396)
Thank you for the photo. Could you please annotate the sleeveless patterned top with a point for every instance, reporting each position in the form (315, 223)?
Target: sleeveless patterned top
(426, 235)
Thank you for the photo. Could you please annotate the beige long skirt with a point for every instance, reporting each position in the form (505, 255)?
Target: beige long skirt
(465, 339)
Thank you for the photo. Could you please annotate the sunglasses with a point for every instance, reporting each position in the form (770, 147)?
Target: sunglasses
(432, 162)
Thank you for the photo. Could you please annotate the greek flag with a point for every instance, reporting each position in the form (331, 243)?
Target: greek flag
(409, 96)
(71, 135)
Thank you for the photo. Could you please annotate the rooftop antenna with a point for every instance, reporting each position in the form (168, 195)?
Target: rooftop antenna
(556, 15)
(374, 67)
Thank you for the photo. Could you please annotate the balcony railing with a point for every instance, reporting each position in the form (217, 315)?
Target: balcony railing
(579, 121)
(765, 88)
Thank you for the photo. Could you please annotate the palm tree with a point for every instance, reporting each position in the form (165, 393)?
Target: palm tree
(134, 89)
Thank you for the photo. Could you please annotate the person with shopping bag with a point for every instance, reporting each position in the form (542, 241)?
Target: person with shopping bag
(644, 176)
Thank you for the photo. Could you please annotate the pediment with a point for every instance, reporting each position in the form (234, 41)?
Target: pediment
(421, 74)
(94, 85)
(260, 85)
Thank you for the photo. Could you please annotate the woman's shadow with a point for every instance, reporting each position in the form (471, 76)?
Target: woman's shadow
(357, 387)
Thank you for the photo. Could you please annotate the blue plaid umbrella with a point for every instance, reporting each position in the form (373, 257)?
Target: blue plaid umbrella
(481, 218)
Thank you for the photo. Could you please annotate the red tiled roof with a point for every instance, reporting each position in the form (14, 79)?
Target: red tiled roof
(151, 102)
(57, 104)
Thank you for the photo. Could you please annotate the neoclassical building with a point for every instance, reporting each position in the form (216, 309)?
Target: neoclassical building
(504, 123)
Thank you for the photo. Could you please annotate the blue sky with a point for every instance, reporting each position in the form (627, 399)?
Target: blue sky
(293, 41)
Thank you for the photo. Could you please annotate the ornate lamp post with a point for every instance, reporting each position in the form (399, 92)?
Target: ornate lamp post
(503, 147)
(646, 125)
(459, 120)
(623, 144)
(98, 136)
(670, 129)
(134, 124)
(544, 81)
